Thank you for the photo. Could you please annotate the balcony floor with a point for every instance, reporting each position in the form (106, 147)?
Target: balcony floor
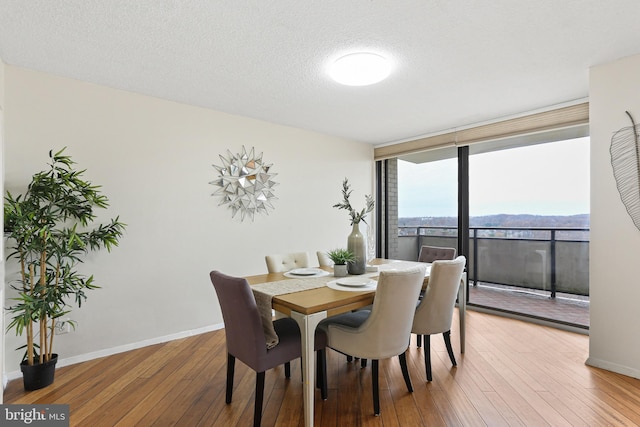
(573, 309)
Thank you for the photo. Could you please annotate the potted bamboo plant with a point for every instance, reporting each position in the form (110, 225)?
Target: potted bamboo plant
(340, 258)
(50, 229)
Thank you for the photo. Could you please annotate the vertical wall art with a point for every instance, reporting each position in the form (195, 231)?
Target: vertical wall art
(245, 184)
(625, 160)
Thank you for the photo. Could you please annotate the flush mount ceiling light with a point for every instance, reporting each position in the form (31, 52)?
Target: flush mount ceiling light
(360, 69)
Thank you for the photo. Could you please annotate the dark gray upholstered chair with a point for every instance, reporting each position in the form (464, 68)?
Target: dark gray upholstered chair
(435, 311)
(433, 253)
(384, 331)
(246, 341)
(430, 254)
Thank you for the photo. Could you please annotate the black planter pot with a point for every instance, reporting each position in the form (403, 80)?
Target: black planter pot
(39, 375)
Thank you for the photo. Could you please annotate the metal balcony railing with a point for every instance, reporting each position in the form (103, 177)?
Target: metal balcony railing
(553, 259)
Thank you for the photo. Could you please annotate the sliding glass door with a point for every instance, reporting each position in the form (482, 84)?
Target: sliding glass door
(523, 203)
(529, 229)
(427, 201)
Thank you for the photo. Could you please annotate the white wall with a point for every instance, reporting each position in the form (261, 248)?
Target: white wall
(2, 192)
(154, 160)
(615, 241)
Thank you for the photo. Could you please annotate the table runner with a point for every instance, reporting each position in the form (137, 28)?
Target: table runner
(264, 293)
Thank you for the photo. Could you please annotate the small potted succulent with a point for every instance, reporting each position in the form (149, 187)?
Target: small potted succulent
(340, 258)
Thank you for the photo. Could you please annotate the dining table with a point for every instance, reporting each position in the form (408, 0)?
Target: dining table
(319, 298)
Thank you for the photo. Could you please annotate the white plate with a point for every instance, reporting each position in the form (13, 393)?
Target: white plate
(305, 271)
(354, 282)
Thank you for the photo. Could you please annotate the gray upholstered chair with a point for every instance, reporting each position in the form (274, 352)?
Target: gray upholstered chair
(384, 331)
(430, 254)
(285, 262)
(434, 253)
(435, 311)
(245, 338)
(323, 259)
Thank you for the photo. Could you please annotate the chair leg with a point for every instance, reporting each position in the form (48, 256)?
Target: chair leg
(321, 373)
(257, 412)
(363, 363)
(318, 369)
(375, 387)
(419, 340)
(231, 363)
(349, 358)
(427, 356)
(287, 370)
(405, 371)
(447, 342)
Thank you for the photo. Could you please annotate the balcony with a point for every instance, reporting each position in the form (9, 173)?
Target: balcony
(542, 273)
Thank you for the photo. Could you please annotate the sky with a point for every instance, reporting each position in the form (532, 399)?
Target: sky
(543, 179)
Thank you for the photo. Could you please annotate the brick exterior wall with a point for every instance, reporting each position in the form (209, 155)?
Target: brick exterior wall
(392, 181)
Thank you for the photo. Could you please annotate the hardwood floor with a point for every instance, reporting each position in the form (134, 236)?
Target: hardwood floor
(512, 374)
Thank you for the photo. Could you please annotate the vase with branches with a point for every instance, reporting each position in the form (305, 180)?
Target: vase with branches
(50, 228)
(355, 215)
(355, 241)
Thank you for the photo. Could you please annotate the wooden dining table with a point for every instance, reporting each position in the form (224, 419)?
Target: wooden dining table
(309, 307)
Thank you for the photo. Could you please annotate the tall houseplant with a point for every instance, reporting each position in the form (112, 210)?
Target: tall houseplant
(50, 230)
(355, 241)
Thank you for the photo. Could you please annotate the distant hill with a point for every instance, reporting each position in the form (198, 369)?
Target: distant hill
(502, 220)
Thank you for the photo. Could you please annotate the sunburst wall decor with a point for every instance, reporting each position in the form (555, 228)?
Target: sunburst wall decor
(246, 184)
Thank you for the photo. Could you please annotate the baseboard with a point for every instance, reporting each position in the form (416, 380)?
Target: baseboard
(613, 367)
(119, 349)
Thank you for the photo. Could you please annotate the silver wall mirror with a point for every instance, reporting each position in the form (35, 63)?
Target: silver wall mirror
(245, 184)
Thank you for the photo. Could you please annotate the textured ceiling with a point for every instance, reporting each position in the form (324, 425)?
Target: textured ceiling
(456, 62)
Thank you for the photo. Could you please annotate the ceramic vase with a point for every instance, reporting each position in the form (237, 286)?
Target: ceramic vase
(357, 245)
